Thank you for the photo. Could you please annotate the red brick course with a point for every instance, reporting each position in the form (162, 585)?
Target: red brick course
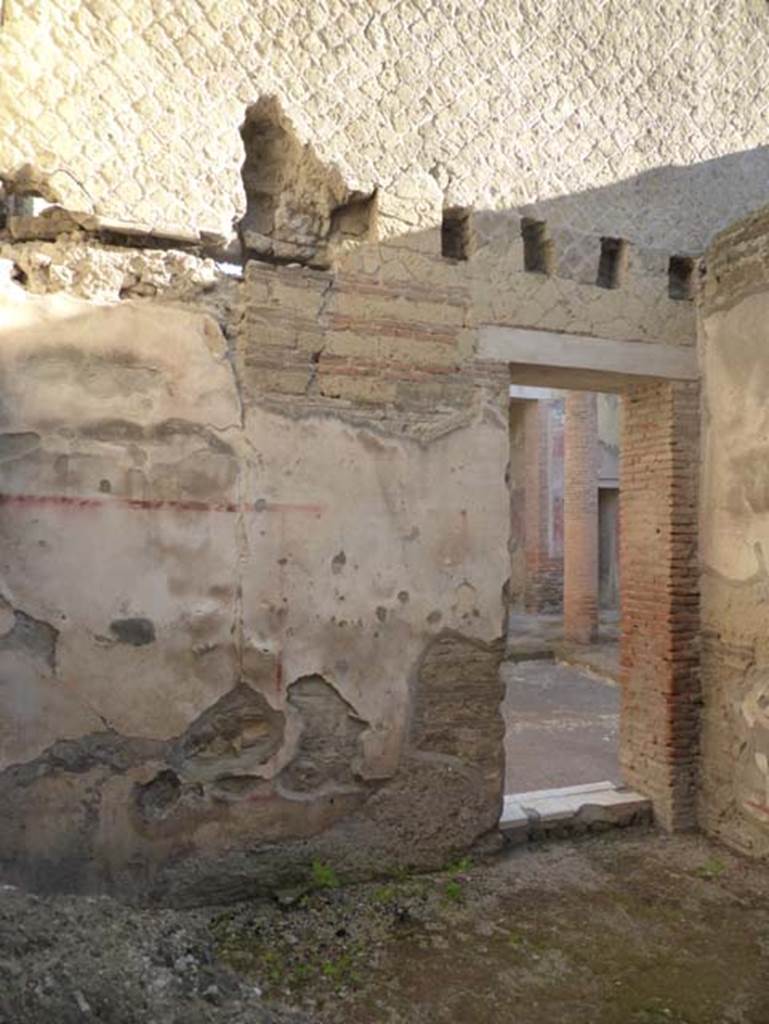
(660, 597)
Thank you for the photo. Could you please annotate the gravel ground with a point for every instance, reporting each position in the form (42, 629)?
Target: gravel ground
(624, 928)
(80, 960)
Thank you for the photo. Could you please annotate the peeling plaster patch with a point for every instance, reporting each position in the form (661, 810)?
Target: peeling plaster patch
(403, 825)
(135, 631)
(112, 430)
(328, 747)
(338, 563)
(164, 432)
(457, 699)
(33, 636)
(106, 749)
(236, 735)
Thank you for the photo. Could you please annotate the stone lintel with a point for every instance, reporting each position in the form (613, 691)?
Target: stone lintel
(550, 359)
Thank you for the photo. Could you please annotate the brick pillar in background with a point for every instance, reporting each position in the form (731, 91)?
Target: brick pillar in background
(580, 515)
(544, 566)
(660, 597)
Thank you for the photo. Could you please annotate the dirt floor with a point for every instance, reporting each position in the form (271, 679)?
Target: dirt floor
(624, 928)
(562, 726)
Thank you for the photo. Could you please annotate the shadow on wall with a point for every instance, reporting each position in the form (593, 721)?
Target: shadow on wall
(722, 190)
(305, 211)
(278, 166)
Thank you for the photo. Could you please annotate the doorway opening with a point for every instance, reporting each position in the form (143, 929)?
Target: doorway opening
(563, 610)
(562, 704)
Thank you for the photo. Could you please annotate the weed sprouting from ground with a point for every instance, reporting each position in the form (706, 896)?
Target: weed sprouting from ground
(328, 937)
(324, 876)
(455, 887)
(711, 868)
(453, 891)
(385, 894)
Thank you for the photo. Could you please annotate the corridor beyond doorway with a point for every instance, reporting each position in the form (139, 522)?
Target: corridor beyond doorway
(561, 726)
(562, 707)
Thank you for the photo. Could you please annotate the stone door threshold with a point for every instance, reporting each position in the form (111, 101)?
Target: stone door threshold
(571, 810)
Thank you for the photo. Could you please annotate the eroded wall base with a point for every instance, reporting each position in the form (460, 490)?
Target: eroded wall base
(183, 821)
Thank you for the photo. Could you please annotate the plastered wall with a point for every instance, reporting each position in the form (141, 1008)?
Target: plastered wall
(255, 537)
(248, 617)
(734, 531)
(643, 120)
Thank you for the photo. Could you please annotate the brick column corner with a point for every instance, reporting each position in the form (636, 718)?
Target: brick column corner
(659, 726)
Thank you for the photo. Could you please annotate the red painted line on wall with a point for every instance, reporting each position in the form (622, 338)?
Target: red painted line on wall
(48, 499)
(157, 504)
(153, 504)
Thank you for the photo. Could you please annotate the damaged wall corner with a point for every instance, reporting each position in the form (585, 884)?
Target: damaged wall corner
(297, 207)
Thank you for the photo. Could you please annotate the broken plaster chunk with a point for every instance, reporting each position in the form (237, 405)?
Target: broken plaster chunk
(329, 747)
(54, 221)
(106, 273)
(49, 224)
(297, 206)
